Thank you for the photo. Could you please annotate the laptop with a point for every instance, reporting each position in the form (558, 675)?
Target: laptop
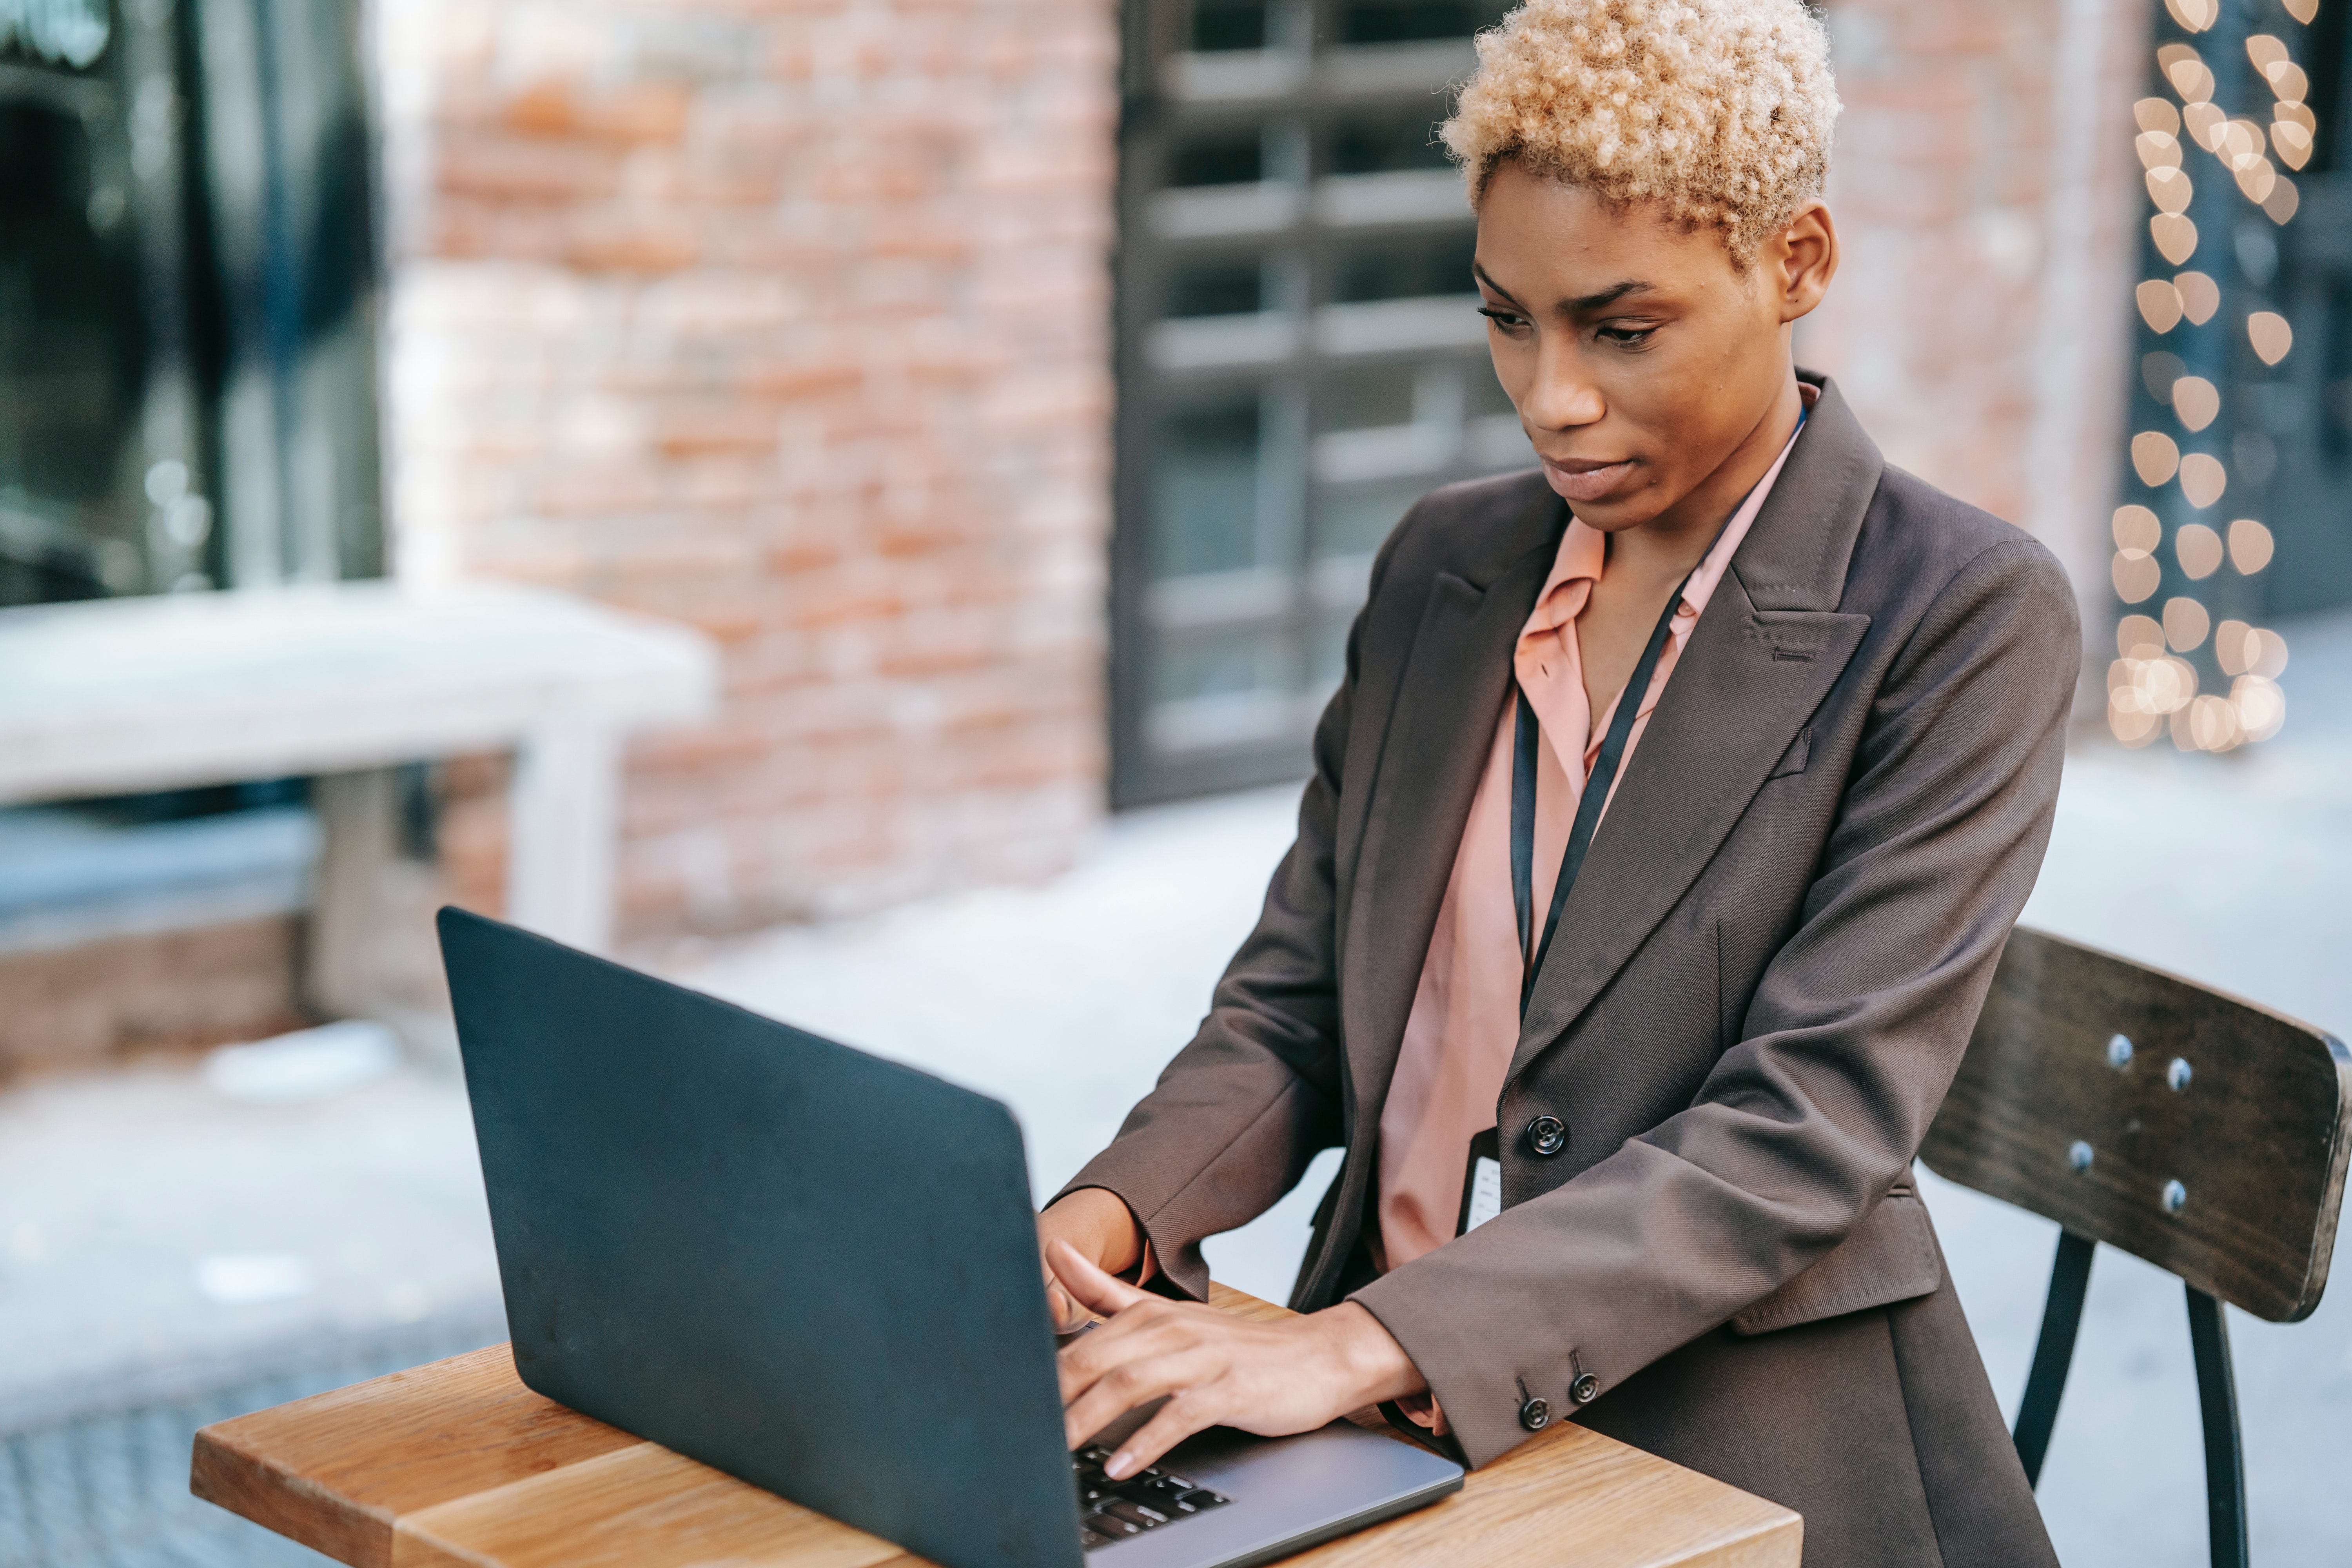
(817, 1272)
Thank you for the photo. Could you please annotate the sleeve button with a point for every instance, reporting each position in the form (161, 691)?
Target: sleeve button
(1547, 1135)
(1536, 1415)
(1585, 1389)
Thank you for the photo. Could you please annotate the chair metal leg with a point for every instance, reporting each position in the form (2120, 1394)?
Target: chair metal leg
(2225, 1450)
(2062, 1316)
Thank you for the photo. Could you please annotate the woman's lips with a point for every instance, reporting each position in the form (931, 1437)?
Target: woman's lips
(1583, 480)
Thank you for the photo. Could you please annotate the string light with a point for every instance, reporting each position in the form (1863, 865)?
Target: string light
(2200, 297)
(2203, 480)
(2270, 334)
(2196, 400)
(2198, 550)
(2185, 625)
(2160, 305)
(2250, 546)
(2156, 456)
(2151, 690)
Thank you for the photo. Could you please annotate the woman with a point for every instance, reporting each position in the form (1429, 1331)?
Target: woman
(1693, 1083)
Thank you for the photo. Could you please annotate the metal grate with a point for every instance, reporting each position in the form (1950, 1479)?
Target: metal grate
(1299, 358)
(107, 1486)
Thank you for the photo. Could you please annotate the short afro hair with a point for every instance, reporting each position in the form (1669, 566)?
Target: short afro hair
(1722, 110)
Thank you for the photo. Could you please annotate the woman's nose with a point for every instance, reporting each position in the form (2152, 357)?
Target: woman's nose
(1561, 400)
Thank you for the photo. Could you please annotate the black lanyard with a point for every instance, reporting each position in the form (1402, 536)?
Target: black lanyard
(1590, 804)
(1524, 740)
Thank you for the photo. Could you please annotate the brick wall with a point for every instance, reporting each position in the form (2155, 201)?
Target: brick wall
(788, 320)
(101, 1004)
(1987, 200)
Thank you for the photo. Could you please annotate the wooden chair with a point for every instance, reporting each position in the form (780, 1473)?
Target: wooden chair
(2205, 1134)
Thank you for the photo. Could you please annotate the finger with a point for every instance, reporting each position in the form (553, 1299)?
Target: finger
(1066, 1314)
(1177, 1420)
(1090, 1285)
(1122, 1390)
(1118, 1341)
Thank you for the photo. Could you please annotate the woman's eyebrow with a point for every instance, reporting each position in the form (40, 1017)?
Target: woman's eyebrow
(1585, 304)
(1484, 277)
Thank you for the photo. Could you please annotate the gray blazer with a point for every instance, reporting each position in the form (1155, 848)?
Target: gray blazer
(1762, 985)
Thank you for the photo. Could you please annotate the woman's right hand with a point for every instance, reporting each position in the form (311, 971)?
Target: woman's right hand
(1096, 1222)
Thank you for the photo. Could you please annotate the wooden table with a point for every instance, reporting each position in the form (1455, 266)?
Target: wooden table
(457, 1465)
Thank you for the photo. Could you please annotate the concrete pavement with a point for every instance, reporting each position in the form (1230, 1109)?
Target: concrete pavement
(149, 1221)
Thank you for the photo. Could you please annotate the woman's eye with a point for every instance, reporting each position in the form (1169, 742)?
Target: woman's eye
(1509, 320)
(1627, 337)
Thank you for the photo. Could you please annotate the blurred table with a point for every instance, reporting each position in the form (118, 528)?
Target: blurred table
(458, 1464)
(345, 680)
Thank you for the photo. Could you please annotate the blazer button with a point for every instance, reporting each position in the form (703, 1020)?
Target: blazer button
(1547, 1135)
(1585, 1389)
(1536, 1415)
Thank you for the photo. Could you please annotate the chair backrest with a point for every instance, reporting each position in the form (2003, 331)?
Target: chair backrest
(2205, 1134)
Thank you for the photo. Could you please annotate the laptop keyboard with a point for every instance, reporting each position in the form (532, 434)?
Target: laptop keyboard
(1153, 1498)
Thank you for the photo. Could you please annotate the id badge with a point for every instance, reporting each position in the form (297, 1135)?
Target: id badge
(1481, 1183)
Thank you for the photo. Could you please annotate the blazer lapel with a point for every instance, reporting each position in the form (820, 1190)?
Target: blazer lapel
(1448, 700)
(1762, 657)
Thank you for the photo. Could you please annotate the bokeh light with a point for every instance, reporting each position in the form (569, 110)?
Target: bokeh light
(2260, 705)
(2202, 123)
(2270, 658)
(2142, 636)
(2198, 549)
(2185, 625)
(2200, 297)
(2160, 305)
(2270, 334)
(2291, 141)
(2250, 546)
(2143, 692)
(2158, 150)
(2151, 688)
(2135, 577)
(2136, 530)
(2190, 76)
(2196, 400)
(2235, 647)
(2207, 723)
(2202, 479)
(2155, 457)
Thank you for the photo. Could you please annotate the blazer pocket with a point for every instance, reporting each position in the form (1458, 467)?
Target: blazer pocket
(1793, 760)
(1891, 1258)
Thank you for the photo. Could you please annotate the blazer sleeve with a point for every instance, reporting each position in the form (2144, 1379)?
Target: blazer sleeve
(1235, 1118)
(1853, 1037)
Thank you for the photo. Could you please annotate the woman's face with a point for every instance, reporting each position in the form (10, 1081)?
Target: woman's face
(1639, 359)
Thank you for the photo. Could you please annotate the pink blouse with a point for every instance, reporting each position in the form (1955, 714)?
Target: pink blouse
(1464, 1024)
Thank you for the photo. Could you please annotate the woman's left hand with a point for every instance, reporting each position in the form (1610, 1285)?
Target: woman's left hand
(1216, 1370)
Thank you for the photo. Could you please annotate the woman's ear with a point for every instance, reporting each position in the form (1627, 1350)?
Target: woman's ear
(1801, 259)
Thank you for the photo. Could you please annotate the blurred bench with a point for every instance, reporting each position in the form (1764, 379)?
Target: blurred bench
(342, 682)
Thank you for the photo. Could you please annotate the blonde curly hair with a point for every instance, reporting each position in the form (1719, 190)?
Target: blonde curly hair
(1722, 110)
